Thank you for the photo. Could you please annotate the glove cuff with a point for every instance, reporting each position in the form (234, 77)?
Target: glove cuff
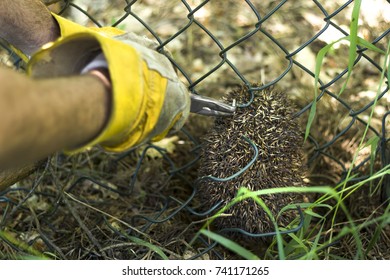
(138, 92)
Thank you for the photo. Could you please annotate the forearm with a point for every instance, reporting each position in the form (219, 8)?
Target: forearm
(27, 24)
(40, 117)
(11, 176)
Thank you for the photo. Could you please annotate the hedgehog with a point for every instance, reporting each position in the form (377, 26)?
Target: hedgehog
(267, 122)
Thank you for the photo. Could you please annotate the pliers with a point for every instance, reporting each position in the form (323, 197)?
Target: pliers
(211, 107)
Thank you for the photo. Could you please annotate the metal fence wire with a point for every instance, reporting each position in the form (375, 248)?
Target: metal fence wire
(143, 203)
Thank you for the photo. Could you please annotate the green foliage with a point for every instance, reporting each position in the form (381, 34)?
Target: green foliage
(149, 245)
(26, 251)
(313, 238)
(158, 250)
(354, 41)
(233, 246)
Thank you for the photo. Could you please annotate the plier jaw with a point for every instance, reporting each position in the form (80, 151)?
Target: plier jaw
(211, 107)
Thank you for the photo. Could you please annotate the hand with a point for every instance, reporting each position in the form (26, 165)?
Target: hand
(26, 25)
(148, 99)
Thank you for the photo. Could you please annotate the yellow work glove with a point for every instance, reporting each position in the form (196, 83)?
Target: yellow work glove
(148, 99)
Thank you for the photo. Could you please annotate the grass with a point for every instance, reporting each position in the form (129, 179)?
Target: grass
(312, 240)
(354, 41)
(233, 246)
(25, 250)
(321, 230)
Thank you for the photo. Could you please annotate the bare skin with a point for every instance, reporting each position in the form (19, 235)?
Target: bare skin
(27, 24)
(40, 117)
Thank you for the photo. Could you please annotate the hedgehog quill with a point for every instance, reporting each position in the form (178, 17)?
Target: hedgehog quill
(267, 122)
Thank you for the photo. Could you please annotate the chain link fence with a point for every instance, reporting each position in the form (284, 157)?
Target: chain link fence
(143, 204)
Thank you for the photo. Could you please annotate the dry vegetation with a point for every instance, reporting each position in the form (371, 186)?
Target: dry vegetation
(98, 205)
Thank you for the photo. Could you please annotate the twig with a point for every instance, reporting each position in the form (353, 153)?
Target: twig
(82, 225)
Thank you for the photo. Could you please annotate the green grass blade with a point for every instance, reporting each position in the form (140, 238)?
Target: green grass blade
(353, 35)
(231, 245)
(312, 115)
(387, 62)
(319, 60)
(313, 214)
(373, 142)
(353, 40)
(34, 254)
(312, 253)
(298, 246)
(279, 239)
(369, 45)
(148, 245)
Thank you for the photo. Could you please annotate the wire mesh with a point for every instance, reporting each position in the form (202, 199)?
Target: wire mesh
(155, 189)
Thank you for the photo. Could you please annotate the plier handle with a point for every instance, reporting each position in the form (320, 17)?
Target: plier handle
(211, 107)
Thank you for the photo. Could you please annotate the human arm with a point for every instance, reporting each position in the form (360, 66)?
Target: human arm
(27, 24)
(146, 101)
(40, 117)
